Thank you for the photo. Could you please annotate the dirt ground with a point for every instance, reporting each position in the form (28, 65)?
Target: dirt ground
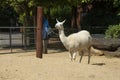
(56, 65)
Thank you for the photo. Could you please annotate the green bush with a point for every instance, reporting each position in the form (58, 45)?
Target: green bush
(113, 31)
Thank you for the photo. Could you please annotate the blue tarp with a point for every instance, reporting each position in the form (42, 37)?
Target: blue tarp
(45, 29)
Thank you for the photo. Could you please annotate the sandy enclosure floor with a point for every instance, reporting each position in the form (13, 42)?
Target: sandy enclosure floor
(57, 66)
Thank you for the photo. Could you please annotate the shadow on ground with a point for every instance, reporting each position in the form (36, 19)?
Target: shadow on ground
(99, 64)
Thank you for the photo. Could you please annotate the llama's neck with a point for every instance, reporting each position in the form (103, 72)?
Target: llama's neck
(62, 36)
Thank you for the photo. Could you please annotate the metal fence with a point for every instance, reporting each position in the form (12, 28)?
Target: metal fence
(17, 37)
(23, 38)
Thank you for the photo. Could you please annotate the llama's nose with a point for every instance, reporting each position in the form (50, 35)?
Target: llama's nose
(55, 26)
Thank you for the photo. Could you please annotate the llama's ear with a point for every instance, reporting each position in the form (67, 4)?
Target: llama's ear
(57, 20)
(63, 21)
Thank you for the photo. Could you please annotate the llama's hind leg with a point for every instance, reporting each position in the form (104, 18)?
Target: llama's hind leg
(89, 55)
(81, 56)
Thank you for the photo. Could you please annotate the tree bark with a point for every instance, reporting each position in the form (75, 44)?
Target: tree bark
(76, 16)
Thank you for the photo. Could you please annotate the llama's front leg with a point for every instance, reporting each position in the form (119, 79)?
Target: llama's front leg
(74, 56)
(71, 56)
(81, 56)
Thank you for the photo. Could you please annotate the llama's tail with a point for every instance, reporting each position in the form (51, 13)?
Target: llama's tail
(96, 51)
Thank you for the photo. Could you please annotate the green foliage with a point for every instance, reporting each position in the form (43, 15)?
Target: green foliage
(113, 31)
(102, 15)
(62, 9)
(7, 13)
(116, 3)
(60, 13)
(96, 19)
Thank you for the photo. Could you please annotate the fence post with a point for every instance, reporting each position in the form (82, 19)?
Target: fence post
(45, 46)
(39, 32)
(10, 37)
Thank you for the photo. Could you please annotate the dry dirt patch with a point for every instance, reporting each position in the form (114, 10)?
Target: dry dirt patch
(57, 66)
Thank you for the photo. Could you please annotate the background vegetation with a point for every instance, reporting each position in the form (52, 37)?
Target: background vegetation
(97, 19)
(113, 31)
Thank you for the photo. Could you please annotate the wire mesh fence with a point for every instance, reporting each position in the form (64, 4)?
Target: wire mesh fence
(17, 37)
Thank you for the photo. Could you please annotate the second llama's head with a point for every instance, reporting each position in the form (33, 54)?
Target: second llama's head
(59, 25)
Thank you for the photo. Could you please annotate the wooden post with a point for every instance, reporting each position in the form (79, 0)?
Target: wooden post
(39, 32)
(45, 46)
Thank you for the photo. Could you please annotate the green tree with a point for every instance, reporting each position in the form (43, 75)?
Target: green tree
(24, 8)
(7, 13)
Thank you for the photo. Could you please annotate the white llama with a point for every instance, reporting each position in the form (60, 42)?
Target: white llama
(74, 43)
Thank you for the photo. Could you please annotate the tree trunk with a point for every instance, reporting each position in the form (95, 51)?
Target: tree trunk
(76, 16)
(79, 12)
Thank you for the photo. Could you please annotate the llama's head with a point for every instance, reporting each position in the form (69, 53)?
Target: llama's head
(59, 25)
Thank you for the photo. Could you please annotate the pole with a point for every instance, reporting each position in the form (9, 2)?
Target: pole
(10, 37)
(39, 32)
